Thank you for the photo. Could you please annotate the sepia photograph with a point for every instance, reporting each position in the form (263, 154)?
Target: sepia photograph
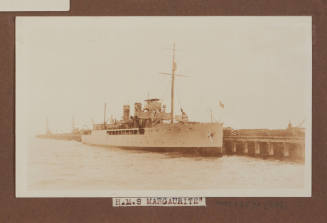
(216, 106)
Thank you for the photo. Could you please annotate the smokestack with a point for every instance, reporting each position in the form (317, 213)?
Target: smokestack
(137, 108)
(126, 113)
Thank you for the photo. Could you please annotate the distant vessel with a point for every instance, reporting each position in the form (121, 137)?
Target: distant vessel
(152, 128)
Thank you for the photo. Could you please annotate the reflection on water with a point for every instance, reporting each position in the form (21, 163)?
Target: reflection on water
(67, 165)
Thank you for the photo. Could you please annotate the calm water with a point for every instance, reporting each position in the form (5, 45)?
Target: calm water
(61, 165)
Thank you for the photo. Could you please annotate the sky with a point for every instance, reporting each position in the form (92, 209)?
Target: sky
(258, 67)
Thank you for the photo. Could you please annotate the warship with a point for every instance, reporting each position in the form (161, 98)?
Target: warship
(152, 128)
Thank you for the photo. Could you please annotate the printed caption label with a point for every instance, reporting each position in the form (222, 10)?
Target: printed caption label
(158, 201)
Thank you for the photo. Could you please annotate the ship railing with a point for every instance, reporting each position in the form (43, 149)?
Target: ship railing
(133, 131)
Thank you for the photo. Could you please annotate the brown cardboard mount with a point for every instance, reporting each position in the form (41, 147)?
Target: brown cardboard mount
(223, 209)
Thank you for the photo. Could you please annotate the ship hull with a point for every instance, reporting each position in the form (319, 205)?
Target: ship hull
(199, 138)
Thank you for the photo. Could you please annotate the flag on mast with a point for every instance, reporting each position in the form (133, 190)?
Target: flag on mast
(221, 104)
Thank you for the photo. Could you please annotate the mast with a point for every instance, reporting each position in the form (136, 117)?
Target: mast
(73, 124)
(173, 75)
(172, 86)
(104, 115)
(211, 115)
(47, 126)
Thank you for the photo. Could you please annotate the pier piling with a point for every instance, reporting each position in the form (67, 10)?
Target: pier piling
(245, 148)
(286, 150)
(279, 147)
(270, 149)
(256, 148)
(234, 149)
